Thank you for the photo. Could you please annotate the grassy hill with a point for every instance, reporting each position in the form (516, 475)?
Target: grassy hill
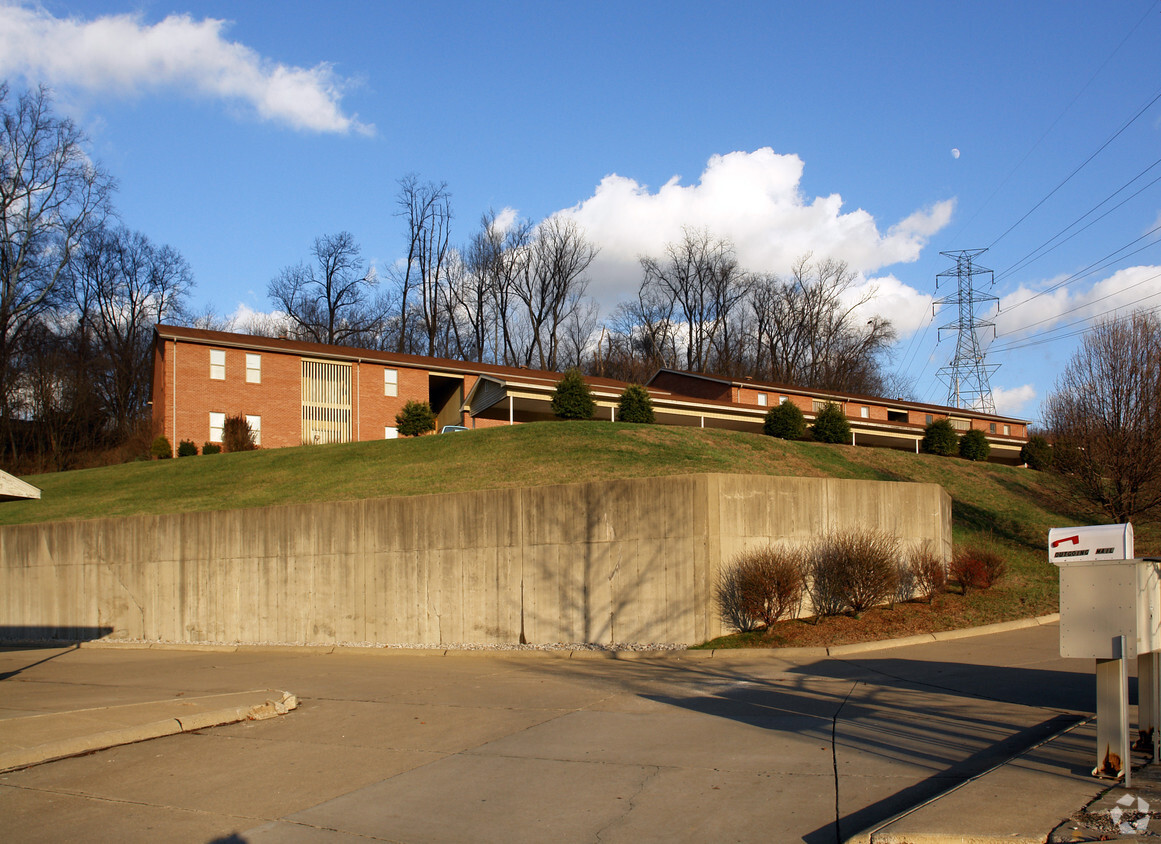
(1009, 507)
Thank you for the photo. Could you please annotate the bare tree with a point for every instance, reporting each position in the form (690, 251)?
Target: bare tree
(122, 285)
(50, 195)
(702, 281)
(426, 209)
(807, 330)
(1105, 416)
(332, 300)
(551, 286)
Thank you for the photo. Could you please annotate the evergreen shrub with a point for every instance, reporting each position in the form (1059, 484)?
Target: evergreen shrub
(939, 437)
(161, 449)
(415, 419)
(572, 398)
(635, 405)
(785, 421)
(974, 446)
(831, 425)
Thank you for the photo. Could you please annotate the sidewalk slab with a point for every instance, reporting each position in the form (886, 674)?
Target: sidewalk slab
(1020, 801)
(33, 739)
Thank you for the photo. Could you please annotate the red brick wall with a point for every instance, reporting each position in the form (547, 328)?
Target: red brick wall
(684, 385)
(277, 399)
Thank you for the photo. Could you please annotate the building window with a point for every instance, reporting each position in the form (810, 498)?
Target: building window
(865, 413)
(390, 382)
(761, 399)
(961, 424)
(253, 369)
(218, 364)
(255, 423)
(991, 427)
(783, 399)
(217, 423)
(817, 405)
(390, 433)
(1007, 430)
(930, 419)
(896, 415)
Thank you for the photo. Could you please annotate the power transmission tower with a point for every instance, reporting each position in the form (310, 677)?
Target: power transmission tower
(967, 375)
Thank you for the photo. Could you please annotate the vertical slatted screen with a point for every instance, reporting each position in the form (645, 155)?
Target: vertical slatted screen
(326, 402)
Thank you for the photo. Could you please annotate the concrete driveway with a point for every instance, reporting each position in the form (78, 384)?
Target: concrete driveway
(501, 747)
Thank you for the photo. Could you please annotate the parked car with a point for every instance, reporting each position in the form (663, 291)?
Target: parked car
(452, 429)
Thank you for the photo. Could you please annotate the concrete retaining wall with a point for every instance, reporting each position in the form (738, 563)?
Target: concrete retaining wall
(615, 561)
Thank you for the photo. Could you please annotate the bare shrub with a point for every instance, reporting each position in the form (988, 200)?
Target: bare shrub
(730, 609)
(762, 585)
(977, 567)
(871, 557)
(905, 582)
(929, 571)
(826, 571)
(853, 570)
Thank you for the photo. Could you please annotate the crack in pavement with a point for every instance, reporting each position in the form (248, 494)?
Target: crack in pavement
(630, 804)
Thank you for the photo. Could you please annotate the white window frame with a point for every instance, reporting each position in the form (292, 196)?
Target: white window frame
(253, 369)
(865, 412)
(217, 423)
(1007, 430)
(255, 423)
(783, 399)
(217, 364)
(391, 382)
(390, 433)
(761, 399)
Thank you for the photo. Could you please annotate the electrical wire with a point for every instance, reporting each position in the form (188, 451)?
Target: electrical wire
(1059, 117)
(1079, 167)
(1032, 256)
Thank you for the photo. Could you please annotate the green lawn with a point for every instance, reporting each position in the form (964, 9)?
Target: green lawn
(1010, 507)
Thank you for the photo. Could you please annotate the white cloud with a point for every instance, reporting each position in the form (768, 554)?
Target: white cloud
(754, 200)
(120, 53)
(908, 309)
(1014, 401)
(1128, 289)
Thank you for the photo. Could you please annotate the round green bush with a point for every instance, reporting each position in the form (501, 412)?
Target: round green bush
(974, 446)
(415, 419)
(635, 405)
(1037, 453)
(831, 425)
(939, 437)
(211, 448)
(572, 398)
(161, 449)
(785, 421)
(186, 448)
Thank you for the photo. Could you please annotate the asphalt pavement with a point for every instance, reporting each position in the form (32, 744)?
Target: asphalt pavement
(985, 738)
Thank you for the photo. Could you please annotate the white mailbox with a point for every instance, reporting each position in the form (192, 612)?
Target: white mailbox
(1104, 593)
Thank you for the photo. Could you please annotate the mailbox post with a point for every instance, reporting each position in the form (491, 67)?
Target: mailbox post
(1109, 612)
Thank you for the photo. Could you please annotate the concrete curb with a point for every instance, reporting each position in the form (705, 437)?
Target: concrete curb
(77, 745)
(687, 653)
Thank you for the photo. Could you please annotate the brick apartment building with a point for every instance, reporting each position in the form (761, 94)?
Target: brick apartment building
(293, 393)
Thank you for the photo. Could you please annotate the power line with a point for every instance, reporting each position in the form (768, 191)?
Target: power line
(1022, 343)
(1059, 117)
(1109, 259)
(1029, 259)
(1080, 167)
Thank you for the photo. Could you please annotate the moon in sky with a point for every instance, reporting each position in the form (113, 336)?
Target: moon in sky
(955, 153)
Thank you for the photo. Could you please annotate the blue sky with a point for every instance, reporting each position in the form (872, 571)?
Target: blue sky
(239, 132)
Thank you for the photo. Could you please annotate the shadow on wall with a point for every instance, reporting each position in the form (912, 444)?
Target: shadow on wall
(49, 634)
